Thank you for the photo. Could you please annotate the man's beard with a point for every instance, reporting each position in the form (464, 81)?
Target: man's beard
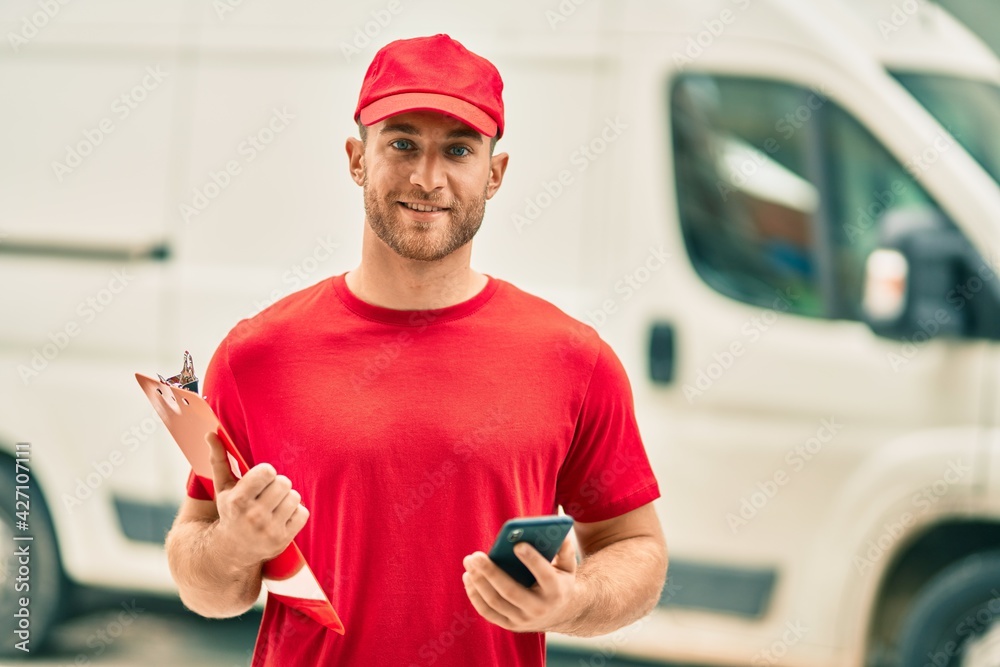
(384, 217)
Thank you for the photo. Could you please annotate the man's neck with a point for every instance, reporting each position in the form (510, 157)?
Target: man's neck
(385, 278)
(399, 289)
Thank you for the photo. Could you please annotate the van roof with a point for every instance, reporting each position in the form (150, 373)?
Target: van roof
(898, 34)
(911, 34)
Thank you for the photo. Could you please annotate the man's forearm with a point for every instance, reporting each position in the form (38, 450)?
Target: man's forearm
(208, 585)
(617, 586)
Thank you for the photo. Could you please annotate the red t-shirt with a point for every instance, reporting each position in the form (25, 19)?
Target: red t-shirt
(412, 436)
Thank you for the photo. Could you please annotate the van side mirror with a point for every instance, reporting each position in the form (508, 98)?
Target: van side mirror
(919, 280)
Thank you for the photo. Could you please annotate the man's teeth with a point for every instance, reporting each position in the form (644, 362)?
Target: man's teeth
(421, 207)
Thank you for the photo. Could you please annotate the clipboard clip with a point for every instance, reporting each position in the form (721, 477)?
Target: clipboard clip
(186, 379)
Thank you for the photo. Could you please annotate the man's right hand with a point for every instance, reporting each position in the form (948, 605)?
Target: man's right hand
(259, 515)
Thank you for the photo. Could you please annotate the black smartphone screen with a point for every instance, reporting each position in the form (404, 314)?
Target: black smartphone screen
(545, 533)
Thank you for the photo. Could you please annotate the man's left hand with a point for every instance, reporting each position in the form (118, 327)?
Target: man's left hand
(546, 606)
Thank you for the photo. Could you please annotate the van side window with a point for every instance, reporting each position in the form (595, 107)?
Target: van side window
(779, 192)
(864, 183)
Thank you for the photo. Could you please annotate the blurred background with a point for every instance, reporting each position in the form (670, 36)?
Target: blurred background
(784, 215)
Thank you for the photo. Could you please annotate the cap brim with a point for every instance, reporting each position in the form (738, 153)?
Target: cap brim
(469, 114)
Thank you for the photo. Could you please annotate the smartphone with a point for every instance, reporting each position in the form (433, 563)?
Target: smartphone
(545, 533)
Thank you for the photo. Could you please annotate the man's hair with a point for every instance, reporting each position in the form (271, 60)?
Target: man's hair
(363, 133)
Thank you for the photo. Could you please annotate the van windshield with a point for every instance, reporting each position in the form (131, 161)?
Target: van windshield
(968, 108)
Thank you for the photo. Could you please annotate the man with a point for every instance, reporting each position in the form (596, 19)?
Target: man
(415, 405)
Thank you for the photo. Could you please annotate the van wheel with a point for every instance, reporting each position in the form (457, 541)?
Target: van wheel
(44, 578)
(955, 619)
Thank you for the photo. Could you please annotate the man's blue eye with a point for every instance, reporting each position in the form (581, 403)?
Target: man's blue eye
(400, 141)
(460, 148)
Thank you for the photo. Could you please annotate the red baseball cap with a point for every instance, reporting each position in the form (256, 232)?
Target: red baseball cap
(432, 74)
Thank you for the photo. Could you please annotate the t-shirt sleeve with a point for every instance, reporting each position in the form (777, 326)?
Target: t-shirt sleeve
(606, 472)
(222, 395)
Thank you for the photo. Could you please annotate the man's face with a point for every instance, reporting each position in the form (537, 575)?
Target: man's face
(426, 179)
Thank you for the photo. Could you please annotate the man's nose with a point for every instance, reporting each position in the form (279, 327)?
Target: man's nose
(429, 172)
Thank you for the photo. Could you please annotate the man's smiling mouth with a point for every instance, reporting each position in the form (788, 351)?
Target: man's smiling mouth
(425, 208)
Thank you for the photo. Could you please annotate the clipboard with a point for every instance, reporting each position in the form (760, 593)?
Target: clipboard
(189, 418)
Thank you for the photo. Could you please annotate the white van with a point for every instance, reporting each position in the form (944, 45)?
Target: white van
(782, 215)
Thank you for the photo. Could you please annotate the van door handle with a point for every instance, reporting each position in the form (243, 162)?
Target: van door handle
(661, 352)
(155, 251)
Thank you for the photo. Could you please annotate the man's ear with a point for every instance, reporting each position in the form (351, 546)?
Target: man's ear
(356, 159)
(498, 165)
